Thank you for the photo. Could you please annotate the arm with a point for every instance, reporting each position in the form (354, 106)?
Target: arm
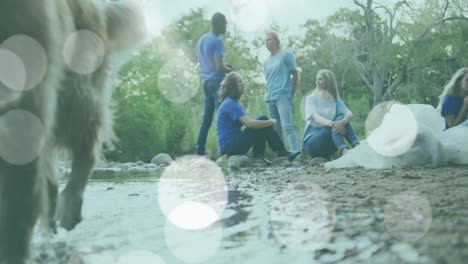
(321, 120)
(339, 126)
(453, 120)
(254, 123)
(220, 66)
(294, 81)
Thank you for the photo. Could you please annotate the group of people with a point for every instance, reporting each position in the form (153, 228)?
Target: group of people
(327, 127)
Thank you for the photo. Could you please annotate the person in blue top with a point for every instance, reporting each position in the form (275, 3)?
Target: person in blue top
(231, 117)
(280, 87)
(454, 100)
(213, 69)
(327, 119)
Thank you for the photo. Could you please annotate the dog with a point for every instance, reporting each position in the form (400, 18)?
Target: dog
(63, 102)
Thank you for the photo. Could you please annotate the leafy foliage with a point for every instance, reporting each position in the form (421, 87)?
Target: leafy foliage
(160, 96)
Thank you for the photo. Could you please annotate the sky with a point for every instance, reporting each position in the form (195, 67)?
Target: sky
(249, 16)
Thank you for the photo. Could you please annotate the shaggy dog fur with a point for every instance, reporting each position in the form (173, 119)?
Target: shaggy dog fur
(73, 110)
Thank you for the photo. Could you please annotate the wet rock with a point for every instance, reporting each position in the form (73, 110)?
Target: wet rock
(302, 158)
(411, 177)
(105, 171)
(318, 161)
(296, 164)
(222, 161)
(150, 166)
(333, 252)
(239, 161)
(161, 159)
(123, 166)
(368, 252)
(406, 252)
(300, 186)
(280, 162)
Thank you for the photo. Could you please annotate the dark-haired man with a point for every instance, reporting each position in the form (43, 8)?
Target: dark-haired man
(213, 69)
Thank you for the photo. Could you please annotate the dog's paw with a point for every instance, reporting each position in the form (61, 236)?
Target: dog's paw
(68, 212)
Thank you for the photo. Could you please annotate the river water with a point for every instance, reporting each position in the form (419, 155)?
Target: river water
(271, 215)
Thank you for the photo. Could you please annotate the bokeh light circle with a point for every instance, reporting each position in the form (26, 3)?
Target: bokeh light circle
(84, 52)
(307, 104)
(140, 256)
(249, 15)
(12, 72)
(193, 246)
(303, 216)
(179, 80)
(32, 55)
(408, 216)
(193, 215)
(192, 180)
(376, 115)
(22, 135)
(395, 130)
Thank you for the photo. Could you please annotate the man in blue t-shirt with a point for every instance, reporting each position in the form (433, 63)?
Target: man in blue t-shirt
(280, 87)
(212, 68)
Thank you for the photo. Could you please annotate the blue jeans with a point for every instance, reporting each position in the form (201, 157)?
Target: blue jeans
(210, 104)
(281, 110)
(322, 142)
(255, 138)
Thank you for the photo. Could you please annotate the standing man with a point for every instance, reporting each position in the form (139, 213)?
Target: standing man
(212, 68)
(280, 88)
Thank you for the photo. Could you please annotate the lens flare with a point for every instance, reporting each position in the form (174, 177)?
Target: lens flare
(408, 216)
(84, 52)
(191, 186)
(302, 217)
(22, 136)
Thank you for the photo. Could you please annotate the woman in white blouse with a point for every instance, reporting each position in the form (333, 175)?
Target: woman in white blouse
(327, 119)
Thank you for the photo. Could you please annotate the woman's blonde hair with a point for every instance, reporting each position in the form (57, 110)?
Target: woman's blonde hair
(229, 87)
(332, 88)
(453, 86)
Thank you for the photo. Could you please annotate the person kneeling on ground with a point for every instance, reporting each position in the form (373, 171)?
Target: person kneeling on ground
(231, 116)
(327, 119)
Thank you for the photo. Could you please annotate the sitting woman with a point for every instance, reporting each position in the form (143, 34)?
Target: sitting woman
(327, 119)
(231, 116)
(454, 100)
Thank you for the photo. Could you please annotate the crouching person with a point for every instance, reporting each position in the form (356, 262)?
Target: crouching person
(231, 117)
(327, 120)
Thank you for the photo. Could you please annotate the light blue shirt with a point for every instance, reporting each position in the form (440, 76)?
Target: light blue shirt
(277, 70)
(209, 47)
(328, 109)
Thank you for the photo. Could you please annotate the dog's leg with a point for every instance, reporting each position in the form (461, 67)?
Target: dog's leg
(18, 210)
(71, 198)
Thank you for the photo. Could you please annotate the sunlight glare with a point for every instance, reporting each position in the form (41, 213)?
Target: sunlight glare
(193, 215)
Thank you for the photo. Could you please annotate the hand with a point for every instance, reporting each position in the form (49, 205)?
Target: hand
(229, 67)
(273, 122)
(339, 127)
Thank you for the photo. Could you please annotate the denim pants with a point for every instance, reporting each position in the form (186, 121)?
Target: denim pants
(210, 104)
(281, 110)
(322, 142)
(257, 138)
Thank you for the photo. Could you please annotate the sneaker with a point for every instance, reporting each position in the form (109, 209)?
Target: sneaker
(290, 155)
(262, 159)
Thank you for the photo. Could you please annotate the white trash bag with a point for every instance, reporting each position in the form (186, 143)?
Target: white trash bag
(409, 136)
